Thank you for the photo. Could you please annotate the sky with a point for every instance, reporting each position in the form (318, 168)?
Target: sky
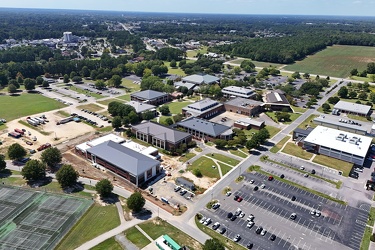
(294, 7)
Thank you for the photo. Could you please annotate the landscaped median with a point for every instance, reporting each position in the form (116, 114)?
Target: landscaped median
(334, 163)
(279, 145)
(368, 231)
(292, 149)
(258, 169)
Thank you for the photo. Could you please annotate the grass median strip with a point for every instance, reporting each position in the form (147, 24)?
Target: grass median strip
(365, 244)
(136, 237)
(337, 184)
(304, 188)
(279, 145)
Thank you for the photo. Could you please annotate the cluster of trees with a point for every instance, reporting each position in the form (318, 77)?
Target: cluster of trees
(169, 54)
(123, 114)
(238, 139)
(156, 83)
(203, 64)
(369, 70)
(258, 139)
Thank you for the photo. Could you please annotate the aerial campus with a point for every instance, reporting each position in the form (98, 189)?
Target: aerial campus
(130, 130)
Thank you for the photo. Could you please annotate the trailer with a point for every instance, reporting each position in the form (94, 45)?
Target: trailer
(65, 120)
(14, 135)
(41, 121)
(35, 120)
(19, 131)
(32, 122)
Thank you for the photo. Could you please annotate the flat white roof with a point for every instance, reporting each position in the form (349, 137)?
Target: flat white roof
(329, 137)
(83, 147)
(353, 107)
(109, 137)
(140, 148)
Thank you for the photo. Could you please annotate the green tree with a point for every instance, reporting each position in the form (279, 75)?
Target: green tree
(372, 97)
(213, 244)
(362, 96)
(72, 74)
(237, 70)
(306, 75)
(164, 110)
(148, 115)
(173, 63)
(12, 89)
(333, 100)
(197, 172)
(343, 92)
(116, 122)
(326, 107)
(45, 84)
(136, 202)
(354, 72)
(133, 117)
(282, 116)
(85, 71)
(3, 163)
(34, 170)
(16, 151)
(67, 176)
(296, 75)
(115, 81)
(51, 156)
(66, 78)
(39, 80)
(77, 79)
(252, 143)
(371, 68)
(104, 188)
(220, 143)
(169, 121)
(352, 94)
(29, 84)
(100, 84)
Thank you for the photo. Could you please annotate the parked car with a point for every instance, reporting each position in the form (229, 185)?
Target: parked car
(255, 188)
(207, 222)
(177, 188)
(250, 217)
(270, 178)
(216, 205)
(233, 218)
(262, 186)
(249, 245)
(264, 231)
(222, 230)
(251, 181)
(237, 238)
(273, 237)
(250, 224)
(238, 212)
(203, 220)
(259, 230)
(228, 193)
(229, 215)
(293, 216)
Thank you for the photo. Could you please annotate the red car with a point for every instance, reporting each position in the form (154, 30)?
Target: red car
(270, 178)
(239, 199)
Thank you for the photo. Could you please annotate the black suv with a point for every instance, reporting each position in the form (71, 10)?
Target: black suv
(259, 230)
(354, 175)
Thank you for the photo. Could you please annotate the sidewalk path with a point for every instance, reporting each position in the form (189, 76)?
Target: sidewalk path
(144, 233)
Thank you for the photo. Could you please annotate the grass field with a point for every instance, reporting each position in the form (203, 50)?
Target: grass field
(110, 244)
(336, 61)
(124, 97)
(225, 159)
(136, 237)
(292, 149)
(175, 107)
(293, 117)
(238, 153)
(187, 157)
(85, 92)
(175, 70)
(279, 145)
(26, 104)
(98, 220)
(298, 109)
(91, 107)
(308, 122)
(205, 166)
(107, 101)
(343, 166)
(130, 86)
(156, 228)
(365, 245)
(224, 168)
(272, 130)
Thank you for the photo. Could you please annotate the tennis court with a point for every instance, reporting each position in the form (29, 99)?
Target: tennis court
(36, 220)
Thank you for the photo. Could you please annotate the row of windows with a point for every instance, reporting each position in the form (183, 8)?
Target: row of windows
(238, 92)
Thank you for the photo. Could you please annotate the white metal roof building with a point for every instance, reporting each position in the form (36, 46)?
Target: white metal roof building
(110, 137)
(352, 108)
(338, 144)
(238, 91)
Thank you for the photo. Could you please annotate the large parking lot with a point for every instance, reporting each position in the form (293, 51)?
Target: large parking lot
(337, 227)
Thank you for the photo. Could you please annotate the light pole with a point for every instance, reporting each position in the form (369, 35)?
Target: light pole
(239, 174)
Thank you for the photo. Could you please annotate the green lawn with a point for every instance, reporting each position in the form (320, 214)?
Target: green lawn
(110, 244)
(293, 117)
(205, 166)
(256, 63)
(308, 122)
(175, 70)
(124, 97)
(335, 60)
(107, 101)
(365, 245)
(343, 166)
(238, 153)
(176, 107)
(224, 168)
(26, 104)
(371, 218)
(97, 220)
(187, 157)
(279, 145)
(130, 86)
(136, 237)
(272, 130)
(156, 228)
(224, 159)
(91, 107)
(292, 149)
(298, 109)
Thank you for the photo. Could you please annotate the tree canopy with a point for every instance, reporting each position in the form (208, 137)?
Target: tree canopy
(51, 157)
(16, 151)
(34, 170)
(104, 187)
(213, 244)
(67, 176)
(136, 202)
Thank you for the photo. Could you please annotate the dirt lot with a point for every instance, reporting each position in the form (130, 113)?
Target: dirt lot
(230, 118)
(45, 133)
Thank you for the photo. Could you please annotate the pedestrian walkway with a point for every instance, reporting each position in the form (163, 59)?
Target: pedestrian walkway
(144, 233)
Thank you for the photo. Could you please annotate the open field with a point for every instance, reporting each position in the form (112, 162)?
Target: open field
(238, 153)
(130, 86)
(187, 157)
(107, 101)
(343, 166)
(279, 145)
(336, 61)
(292, 149)
(124, 97)
(90, 107)
(136, 237)
(205, 166)
(176, 70)
(308, 122)
(85, 92)
(26, 104)
(224, 168)
(175, 107)
(110, 244)
(293, 117)
(156, 228)
(257, 63)
(98, 220)
(225, 159)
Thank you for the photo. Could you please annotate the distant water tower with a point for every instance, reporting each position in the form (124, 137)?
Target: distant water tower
(68, 37)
